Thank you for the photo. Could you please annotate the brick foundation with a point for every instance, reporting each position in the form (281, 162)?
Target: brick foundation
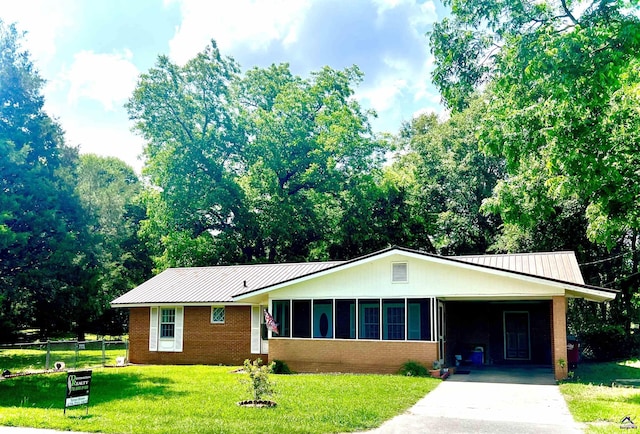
(204, 343)
(384, 357)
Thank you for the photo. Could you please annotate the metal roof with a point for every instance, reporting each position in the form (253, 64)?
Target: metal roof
(219, 284)
(555, 265)
(214, 284)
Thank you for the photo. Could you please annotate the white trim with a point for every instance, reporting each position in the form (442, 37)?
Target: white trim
(179, 330)
(168, 344)
(153, 329)
(432, 306)
(224, 315)
(587, 293)
(255, 330)
(170, 304)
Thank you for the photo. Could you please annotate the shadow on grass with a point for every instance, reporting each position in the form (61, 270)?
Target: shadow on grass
(48, 391)
(607, 374)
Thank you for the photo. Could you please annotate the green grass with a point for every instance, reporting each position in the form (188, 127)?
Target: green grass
(21, 360)
(202, 399)
(597, 398)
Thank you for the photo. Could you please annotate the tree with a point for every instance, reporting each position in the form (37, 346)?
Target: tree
(250, 168)
(188, 120)
(110, 192)
(47, 269)
(308, 140)
(561, 82)
(452, 179)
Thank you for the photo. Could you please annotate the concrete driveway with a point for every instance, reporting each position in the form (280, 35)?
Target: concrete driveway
(489, 400)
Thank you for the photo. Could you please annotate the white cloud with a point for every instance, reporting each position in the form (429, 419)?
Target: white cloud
(107, 140)
(425, 15)
(384, 94)
(43, 20)
(255, 23)
(107, 78)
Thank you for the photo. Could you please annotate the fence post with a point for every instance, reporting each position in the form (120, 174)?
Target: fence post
(47, 362)
(104, 355)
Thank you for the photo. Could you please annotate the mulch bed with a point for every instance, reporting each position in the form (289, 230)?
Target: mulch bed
(257, 403)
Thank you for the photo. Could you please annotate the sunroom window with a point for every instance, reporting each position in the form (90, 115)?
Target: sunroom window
(345, 319)
(301, 319)
(322, 319)
(393, 320)
(419, 319)
(281, 316)
(369, 312)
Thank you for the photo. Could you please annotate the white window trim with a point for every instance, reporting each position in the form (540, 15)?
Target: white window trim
(224, 314)
(154, 330)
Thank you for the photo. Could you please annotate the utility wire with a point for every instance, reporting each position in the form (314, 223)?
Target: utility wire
(611, 258)
(618, 280)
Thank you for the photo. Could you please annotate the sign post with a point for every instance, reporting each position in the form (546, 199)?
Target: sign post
(78, 388)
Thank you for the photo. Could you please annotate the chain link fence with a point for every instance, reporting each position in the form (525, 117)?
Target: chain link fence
(59, 355)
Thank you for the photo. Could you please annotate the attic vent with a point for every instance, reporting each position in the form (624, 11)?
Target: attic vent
(399, 272)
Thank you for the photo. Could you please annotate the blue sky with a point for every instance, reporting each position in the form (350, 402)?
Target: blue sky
(92, 51)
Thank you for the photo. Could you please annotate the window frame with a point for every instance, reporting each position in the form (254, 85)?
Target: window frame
(368, 329)
(278, 307)
(387, 305)
(224, 314)
(162, 322)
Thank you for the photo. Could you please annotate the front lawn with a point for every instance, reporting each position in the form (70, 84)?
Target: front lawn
(202, 399)
(602, 394)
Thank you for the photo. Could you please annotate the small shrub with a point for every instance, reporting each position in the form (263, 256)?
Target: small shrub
(280, 367)
(259, 384)
(412, 368)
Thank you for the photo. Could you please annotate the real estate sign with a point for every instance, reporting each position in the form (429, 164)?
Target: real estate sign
(78, 388)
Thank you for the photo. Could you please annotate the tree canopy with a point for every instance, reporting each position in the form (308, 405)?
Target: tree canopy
(248, 168)
(47, 265)
(560, 82)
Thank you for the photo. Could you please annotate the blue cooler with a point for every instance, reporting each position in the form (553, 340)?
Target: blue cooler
(477, 356)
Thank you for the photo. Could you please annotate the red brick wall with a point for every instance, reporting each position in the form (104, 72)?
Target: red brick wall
(559, 333)
(203, 342)
(319, 355)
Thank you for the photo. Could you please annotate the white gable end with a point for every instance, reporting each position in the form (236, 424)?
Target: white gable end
(426, 277)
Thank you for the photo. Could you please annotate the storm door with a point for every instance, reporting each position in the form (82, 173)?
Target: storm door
(442, 326)
(517, 342)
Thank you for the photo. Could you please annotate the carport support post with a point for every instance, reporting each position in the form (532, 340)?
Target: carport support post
(559, 332)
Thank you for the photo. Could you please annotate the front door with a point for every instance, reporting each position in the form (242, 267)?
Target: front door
(517, 344)
(264, 334)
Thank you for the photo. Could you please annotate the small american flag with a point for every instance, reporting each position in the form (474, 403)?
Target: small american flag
(271, 323)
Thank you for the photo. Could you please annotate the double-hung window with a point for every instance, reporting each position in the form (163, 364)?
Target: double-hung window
(167, 323)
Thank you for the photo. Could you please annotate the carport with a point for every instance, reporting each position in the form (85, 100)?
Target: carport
(505, 333)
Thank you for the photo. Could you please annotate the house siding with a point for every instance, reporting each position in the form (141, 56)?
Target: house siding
(204, 342)
(327, 355)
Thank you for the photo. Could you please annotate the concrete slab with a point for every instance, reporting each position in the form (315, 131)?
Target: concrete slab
(507, 374)
(522, 401)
